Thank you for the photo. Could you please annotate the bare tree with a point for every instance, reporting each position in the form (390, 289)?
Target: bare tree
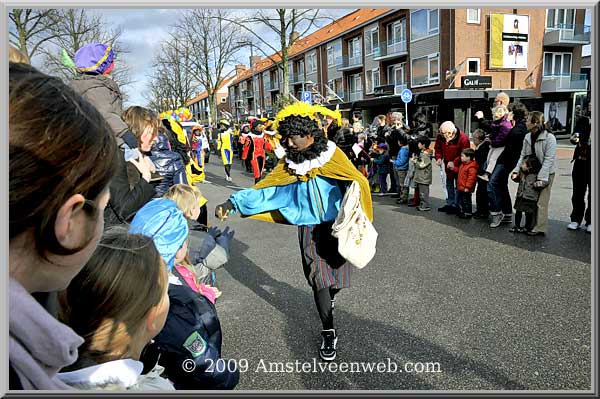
(29, 29)
(213, 42)
(73, 29)
(172, 83)
(288, 24)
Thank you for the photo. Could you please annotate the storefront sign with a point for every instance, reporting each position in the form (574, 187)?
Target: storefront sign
(476, 82)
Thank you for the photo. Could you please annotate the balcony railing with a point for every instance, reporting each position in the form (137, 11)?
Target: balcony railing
(389, 49)
(348, 63)
(573, 82)
(272, 86)
(567, 35)
(297, 78)
(355, 96)
(399, 87)
(340, 93)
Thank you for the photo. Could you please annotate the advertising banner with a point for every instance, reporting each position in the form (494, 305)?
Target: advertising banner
(509, 41)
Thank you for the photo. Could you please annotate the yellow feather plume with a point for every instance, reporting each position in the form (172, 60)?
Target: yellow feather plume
(302, 108)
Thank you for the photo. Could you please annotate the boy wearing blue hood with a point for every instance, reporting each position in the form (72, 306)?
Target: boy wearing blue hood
(191, 338)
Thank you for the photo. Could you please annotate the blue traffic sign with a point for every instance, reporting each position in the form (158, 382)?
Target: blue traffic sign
(406, 95)
(307, 97)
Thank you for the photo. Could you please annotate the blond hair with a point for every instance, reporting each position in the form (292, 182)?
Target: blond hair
(139, 118)
(107, 303)
(504, 98)
(345, 123)
(186, 197)
(14, 55)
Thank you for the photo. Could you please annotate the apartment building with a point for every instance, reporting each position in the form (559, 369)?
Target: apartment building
(454, 60)
(199, 106)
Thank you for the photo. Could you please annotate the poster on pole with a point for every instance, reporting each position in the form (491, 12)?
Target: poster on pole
(509, 41)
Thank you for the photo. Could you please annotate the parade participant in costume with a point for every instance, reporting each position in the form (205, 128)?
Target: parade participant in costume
(245, 146)
(196, 143)
(306, 189)
(257, 147)
(225, 145)
(179, 143)
(276, 151)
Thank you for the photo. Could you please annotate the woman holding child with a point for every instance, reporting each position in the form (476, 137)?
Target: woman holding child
(541, 144)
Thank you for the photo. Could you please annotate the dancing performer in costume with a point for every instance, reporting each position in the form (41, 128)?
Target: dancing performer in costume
(257, 147)
(225, 145)
(306, 189)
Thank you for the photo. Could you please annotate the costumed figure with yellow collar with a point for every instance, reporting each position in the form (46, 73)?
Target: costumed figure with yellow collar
(306, 189)
(180, 144)
(276, 151)
(225, 145)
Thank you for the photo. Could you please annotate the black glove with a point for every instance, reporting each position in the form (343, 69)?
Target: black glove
(224, 209)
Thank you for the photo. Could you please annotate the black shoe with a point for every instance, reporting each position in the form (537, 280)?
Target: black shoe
(452, 210)
(327, 351)
(478, 215)
(462, 215)
(412, 204)
(515, 229)
(445, 208)
(535, 233)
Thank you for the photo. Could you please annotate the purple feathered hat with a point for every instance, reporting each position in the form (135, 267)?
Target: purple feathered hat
(94, 58)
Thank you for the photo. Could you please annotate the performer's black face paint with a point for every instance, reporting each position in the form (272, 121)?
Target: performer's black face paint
(300, 143)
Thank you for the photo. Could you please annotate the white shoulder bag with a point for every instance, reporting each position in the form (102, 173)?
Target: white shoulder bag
(357, 238)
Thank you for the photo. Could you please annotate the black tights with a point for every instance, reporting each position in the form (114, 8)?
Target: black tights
(228, 170)
(323, 300)
(529, 219)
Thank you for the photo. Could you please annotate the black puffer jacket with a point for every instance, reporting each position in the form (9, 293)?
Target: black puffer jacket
(168, 164)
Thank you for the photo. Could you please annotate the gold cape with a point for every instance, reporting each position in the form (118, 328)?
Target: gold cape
(338, 167)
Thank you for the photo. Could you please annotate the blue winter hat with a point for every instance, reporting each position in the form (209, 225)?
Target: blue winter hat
(94, 58)
(161, 220)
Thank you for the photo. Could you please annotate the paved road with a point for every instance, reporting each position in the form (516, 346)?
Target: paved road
(495, 310)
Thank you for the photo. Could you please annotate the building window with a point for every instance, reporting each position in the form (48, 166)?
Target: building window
(330, 58)
(396, 32)
(560, 18)
(371, 41)
(354, 48)
(423, 23)
(355, 87)
(300, 68)
(395, 75)
(425, 70)
(372, 80)
(311, 63)
(473, 66)
(473, 16)
(557, 64)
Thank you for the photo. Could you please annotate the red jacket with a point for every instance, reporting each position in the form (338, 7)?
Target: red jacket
(467, 176)
(450, 151)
